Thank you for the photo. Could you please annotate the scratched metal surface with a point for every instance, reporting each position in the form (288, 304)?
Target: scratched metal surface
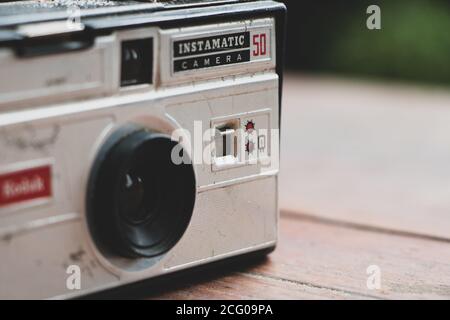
(20, 12)
(8, 8)
(35, 6)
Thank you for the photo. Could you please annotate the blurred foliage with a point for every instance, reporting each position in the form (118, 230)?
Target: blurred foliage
(331, 36)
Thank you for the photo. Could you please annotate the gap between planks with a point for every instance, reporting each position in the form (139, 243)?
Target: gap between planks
(359, 226)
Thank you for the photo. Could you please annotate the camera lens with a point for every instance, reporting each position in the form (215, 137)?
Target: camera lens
(132, 196)
(139, 202)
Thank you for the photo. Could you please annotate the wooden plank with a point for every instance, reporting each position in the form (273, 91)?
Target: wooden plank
(367, 153)
(250, 286)
(337, 257)
(318, 260)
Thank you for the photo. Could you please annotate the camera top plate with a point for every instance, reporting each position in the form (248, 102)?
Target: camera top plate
(25, 34)
(104, 16)
(26, 11)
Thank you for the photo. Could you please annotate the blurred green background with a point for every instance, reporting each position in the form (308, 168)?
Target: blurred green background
(330, 36)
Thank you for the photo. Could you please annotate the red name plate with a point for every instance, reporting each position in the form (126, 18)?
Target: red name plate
(25, 185)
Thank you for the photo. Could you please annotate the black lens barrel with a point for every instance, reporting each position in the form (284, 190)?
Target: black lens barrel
(139, 202)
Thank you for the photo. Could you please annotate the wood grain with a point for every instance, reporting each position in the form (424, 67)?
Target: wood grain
(319, 260)
(367, 153)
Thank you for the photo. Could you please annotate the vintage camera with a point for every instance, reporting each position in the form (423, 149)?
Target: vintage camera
(137, 139)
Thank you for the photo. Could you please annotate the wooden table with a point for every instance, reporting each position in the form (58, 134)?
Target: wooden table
(365, 181)
(319, 259)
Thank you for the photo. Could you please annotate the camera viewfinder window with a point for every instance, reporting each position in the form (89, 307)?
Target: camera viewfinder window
(137, 62)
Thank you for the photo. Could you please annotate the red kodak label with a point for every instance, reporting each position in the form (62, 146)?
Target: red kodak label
(24, 185)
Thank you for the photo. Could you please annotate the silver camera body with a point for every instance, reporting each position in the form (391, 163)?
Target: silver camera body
(90, 113)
